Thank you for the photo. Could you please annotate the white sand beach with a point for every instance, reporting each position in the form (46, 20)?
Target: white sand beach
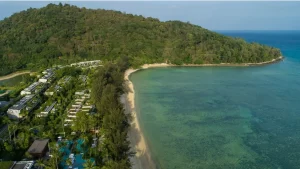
(142, 158)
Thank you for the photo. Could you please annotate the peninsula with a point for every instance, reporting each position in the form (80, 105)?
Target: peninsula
(63, 34)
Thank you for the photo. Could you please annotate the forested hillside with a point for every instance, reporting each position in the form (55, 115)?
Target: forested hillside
(59, 34)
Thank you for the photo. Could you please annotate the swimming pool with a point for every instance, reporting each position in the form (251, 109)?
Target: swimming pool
(67, 150)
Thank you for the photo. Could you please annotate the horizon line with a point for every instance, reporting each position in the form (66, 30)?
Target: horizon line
(255, 29)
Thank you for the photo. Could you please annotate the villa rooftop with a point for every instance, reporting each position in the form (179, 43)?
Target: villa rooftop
(49, 108)
(64, 80)
(32, 86)
(87, 63)
(22, 165)
(38, 147)
(22, 103)
(50, 70)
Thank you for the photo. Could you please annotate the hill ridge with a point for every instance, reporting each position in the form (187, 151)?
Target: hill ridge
(62, 34)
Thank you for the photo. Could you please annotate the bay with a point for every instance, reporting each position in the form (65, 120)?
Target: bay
(224, 117)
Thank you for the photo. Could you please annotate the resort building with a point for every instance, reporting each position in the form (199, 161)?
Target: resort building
(87, 63)
(64, 80)
(47, 110)
(30, 89)
(80, 93)
(48, 71)
(57, 87)
(52, 90)
(27, 103)
(34, 88)
(80, 104)
(47, 78)
(22, 165)
(39, 148)
(83, 78)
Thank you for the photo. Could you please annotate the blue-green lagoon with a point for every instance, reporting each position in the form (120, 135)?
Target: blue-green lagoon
(224, 117)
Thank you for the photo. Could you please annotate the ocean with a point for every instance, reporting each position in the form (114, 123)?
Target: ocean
(224, 117)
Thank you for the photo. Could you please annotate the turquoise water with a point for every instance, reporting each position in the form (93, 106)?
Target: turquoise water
(224, 117)
(79, 161)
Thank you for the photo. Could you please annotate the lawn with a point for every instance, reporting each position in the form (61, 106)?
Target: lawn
(6, 164)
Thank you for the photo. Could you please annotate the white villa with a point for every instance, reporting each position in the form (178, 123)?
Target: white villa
(48, 109)
(30, 89)
(27, 103)
(81, 103)
(87, 63)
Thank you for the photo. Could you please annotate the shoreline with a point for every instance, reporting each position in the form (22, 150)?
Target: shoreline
(12, 75)
(142, 159)
(146, 66)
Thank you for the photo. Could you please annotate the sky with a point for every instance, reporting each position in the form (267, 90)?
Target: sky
(211, 15)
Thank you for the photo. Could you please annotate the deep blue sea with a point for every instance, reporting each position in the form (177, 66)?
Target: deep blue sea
(225, 117)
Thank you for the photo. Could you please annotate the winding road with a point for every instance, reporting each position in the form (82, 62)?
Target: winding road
(14, 75)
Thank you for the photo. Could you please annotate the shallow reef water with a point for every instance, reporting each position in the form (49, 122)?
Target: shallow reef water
(224, 117)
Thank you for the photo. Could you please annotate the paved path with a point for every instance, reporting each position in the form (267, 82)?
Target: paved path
(7, 91)
(14, 75)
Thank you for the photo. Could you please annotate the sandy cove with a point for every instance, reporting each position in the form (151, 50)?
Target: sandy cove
(142, 158)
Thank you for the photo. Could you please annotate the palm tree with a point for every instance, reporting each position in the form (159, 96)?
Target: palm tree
(50, 164)
(89, 164)
(14, 128)
(85, 139)
(62, 124)
(40, 164)
(55, 154)
(7, 121)
(63, 144)
(69, 162)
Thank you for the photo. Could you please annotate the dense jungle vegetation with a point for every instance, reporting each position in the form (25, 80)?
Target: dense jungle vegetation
(60, 34)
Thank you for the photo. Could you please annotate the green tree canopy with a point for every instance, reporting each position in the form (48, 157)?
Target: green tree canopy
(61, 34)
